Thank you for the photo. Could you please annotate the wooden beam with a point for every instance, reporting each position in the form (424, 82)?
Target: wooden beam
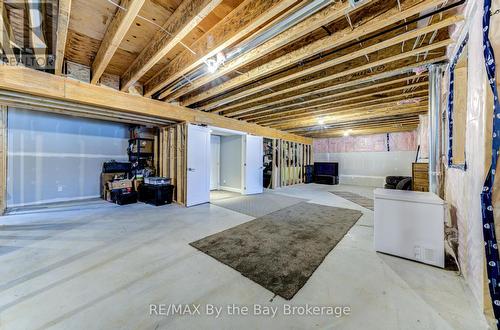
(327, 109)
(24, 80)
(115, 33)
(336, 115)
(360, 116)
(64, 13)
(263, 116)
(245, 18)
(340, 74)
(6, 35)
(384, 123)
(351, 86)
(315, 21)
(330, 42)
(327, 87)
(185, 18)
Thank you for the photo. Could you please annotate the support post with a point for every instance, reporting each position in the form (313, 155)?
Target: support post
(435, 79)
(3, 159)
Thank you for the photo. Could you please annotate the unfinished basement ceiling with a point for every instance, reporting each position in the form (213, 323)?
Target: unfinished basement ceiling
(316, 68)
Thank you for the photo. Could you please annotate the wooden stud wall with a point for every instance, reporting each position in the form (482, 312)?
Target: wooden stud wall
(172, 145)
(289, 168)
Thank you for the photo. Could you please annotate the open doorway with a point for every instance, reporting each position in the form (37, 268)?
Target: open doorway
(226, 163)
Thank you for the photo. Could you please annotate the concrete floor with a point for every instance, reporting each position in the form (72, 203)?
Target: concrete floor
(102, 267)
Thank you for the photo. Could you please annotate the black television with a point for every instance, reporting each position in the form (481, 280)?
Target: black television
(326, 173)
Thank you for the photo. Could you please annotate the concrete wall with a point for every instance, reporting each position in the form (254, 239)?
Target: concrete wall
(231, 158)
(364, 160)
(54, 158)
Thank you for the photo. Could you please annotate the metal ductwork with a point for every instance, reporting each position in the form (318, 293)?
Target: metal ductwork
(257, 40)
(435, 79)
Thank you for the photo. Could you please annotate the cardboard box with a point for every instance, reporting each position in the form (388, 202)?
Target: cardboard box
(105, 178)
(120, 184)
(107, 195)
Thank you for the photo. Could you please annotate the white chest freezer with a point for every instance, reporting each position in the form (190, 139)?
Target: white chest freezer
(410, 224)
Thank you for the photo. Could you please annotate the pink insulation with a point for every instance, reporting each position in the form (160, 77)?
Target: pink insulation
(320, 145)
(404, 141)
(423, 136)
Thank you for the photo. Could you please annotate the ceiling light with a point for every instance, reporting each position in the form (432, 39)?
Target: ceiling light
(212, 65)
(321, 121)
(346, 133)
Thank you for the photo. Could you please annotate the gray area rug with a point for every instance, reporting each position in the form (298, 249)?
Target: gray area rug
(281, 250)
(257, 205)
(355, 198)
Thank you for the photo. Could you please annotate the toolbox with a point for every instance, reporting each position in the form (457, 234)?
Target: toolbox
(123, 196)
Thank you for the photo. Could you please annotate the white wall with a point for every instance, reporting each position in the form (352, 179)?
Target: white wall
(214, 162)
(463, 188)
(53, 158)
(231, 159)
(369, 168)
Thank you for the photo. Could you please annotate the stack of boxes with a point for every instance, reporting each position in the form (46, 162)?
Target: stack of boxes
(116, 187)
(127, 182)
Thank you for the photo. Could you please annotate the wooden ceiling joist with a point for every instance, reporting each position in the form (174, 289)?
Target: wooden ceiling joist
(380, 122)
(292, 91)
(337, 39)
(247, 17)
(117, 29)
(334, 114)
(329, 14)
(64, 12)
(382, 79)
(319, 104)
(327, 108)
(367, 114)
(174, 88)
(316, 87)
(185, 18)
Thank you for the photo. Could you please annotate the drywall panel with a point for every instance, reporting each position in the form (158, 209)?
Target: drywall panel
(231, 158)
(369, 168)
(367, 160)
(54, 158)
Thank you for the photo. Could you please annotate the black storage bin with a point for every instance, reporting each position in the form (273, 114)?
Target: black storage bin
(309, 174)
(116, 167)
(123, 196)
(156, 194)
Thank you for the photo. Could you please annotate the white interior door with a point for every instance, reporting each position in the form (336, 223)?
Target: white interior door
(215, 162)
(198, 165)
(254, 165)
